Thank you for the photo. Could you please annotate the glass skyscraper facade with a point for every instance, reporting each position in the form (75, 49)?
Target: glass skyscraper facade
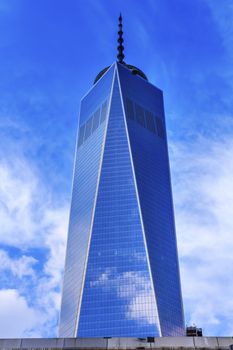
(121, 272)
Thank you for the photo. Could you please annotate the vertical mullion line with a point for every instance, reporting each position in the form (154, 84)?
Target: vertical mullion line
(138, 201)
(94, 207)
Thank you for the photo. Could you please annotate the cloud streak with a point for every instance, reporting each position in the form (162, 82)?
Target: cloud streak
(203, 195)
(30, 222)
(21, 267)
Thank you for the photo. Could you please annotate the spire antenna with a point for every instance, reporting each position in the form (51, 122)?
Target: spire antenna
(120, 40)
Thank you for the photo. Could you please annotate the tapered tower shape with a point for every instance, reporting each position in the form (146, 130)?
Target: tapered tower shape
(121, 273)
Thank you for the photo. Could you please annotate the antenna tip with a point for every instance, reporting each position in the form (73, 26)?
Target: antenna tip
(120, 48)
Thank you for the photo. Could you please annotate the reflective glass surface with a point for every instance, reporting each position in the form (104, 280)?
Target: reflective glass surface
(150, 158)
(96, 120)
(118, 298)
(96, 96)
(92, 123)
(83, 194)
(114, 263)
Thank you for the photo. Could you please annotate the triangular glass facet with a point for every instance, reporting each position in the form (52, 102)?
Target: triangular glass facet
(118, 298)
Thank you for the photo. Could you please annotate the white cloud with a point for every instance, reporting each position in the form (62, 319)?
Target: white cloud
(203, 196)
(19, 198)
(19, 267)
(16, 317)
(29, 219)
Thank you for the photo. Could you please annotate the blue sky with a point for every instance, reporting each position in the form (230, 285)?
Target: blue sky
(51, 52)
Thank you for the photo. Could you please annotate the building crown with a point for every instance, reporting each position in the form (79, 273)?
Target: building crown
(134, 70)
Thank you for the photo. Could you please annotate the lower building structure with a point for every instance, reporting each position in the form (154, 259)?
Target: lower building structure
(165, 343)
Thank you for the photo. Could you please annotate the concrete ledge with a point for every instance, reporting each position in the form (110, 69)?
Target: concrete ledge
(128, 343)
(10, 343)
(164, 343)
(224, 341)
(174, 342)
(205, 342)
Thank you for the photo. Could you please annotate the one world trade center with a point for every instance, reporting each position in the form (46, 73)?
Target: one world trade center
(121, 274)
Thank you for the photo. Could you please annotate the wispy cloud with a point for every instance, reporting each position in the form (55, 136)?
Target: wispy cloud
(19, 267)
(223, 16)
(17, 318)
(203, 195)
(30, 221)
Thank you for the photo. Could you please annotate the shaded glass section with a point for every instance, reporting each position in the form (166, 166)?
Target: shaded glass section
(81, 135)
(150, 122)
(96, 96)
(130, 108)
(92, 123)
(139, 114)
(118, 299)
(88, 128)
(144, 117)
(83, 194)
(96, 120)
(150, 157)
(103, 112)
(160, 127)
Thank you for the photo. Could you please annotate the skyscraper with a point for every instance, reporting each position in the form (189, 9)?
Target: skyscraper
(121, 272)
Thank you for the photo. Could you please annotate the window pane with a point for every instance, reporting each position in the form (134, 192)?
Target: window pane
(88, 128)
(129, 109)
(81, 135)
(103, 112)
(139, 115)
(150, 121)
(96, 120)
(160, 127)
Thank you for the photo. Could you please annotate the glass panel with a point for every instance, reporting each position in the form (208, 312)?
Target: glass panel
(160, 127)
(150, 122)
(139, 114)
(96, 96)
(88, 128)
(81, 135)
(129, 108)
(103, 112)
(96, 119)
